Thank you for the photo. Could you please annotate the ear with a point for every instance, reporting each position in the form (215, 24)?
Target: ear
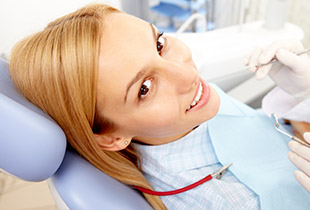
(111, 142)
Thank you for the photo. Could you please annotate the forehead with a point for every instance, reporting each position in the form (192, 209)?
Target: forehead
(127, 45)
(125, 39)
(123, 32)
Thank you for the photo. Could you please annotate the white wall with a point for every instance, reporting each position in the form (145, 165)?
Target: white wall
(299, 14)
(19, 18)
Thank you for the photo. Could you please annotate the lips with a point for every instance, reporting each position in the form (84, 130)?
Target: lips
(197, 97)
(201, 98)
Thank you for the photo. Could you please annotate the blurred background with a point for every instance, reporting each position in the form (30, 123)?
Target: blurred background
(19, 18)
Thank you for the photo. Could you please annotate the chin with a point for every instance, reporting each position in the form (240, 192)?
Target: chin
(213, 106)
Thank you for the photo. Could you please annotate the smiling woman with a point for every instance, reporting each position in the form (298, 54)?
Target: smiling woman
(159, 81)
(57, 70)
(131, 101)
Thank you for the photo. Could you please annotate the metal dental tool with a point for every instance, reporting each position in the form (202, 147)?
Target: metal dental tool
(276, 60)
(277, 127)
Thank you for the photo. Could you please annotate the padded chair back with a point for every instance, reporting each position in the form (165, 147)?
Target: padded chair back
(82, 186)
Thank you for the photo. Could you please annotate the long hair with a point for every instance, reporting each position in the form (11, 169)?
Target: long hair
(57, 70)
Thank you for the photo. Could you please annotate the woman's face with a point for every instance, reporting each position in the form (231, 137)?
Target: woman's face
(148, 82)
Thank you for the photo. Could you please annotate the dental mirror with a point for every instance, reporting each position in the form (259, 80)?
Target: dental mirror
(277, 127)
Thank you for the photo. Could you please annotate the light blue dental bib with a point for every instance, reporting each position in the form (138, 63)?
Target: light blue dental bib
(259, 155)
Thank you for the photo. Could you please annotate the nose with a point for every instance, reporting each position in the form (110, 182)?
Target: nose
(183, 77)
(179, 68)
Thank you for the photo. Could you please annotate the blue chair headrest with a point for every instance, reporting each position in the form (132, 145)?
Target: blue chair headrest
(32, 145)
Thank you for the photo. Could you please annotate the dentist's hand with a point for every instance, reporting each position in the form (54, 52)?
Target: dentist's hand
(291, 73)
(300, 157)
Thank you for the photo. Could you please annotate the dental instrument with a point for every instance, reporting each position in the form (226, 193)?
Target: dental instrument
(277, 127)
(274, 60)
(218, 175)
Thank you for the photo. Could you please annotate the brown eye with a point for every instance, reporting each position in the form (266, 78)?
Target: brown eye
(160, 43)
(144, 89)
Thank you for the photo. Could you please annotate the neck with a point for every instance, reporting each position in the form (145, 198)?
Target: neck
(160, 140)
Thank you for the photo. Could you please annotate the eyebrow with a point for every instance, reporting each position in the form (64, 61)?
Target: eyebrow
(140, 74)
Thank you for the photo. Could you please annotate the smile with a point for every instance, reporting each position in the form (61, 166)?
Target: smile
(201, 98)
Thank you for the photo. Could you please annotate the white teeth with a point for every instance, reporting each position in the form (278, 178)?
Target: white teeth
(197, 98)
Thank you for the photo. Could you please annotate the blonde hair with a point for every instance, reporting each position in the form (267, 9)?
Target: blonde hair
(57, 70)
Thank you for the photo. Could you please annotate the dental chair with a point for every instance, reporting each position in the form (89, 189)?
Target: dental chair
(33, 148)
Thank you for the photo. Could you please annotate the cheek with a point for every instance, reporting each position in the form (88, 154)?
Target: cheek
(158, 119)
